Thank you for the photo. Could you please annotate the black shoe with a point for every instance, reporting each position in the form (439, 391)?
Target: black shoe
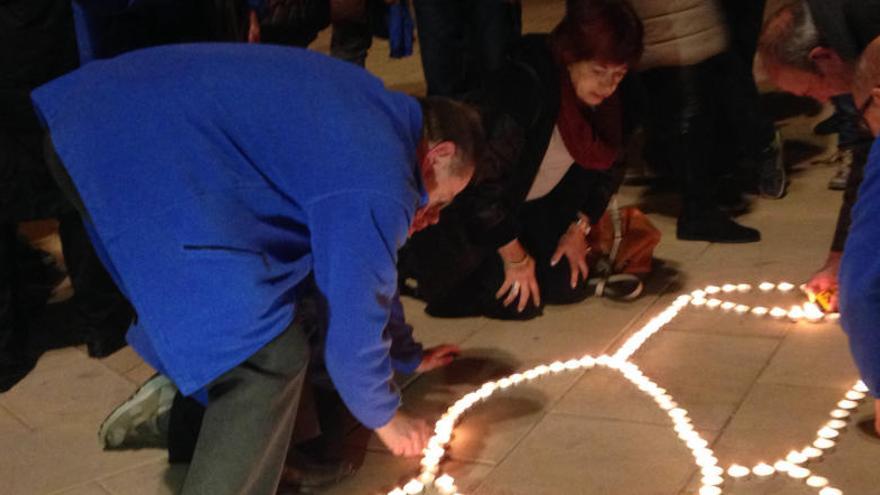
(714, 226)
(772, 178)
(831, 125)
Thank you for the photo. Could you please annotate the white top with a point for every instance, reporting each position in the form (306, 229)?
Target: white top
(557, 160)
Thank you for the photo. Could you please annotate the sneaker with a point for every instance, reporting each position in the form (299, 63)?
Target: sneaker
(714, 226)
(142, 420)
(771, 170)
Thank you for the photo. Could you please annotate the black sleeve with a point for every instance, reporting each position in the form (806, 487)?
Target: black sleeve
(863, 21)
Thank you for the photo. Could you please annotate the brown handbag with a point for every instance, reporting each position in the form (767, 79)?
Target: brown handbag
(625, 238)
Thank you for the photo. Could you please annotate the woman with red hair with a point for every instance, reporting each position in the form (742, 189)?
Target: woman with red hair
(509, 245)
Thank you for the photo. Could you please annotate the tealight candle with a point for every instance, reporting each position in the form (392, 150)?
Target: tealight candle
(832, 316)
(504, 382)
(830, 491)
(712, 289)
(837, 424)
(847, 404)
(799, 473)
(782, 466)
(556, 367)
(812, 452)
(414, 487)
(728, 287)
(742, 309)
(840, 414)
(712, 480)
(784, 286)
(445, 485)
(860, 387)
(743, 287)
(737, 471)
(712, 471)
(829, 433)
(796, 457)
(710, 490)
(824, 443)
(713, 303)
(699, 301)
(397, 491)
(727, 305)
(817, 481)
(778, 313)
(812, 312)
(763, 470)
(767, 286)
(796, 313)
(698, 294)
(853, 395)
(759, 311)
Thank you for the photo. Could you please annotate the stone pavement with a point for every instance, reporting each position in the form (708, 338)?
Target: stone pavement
(755, 388)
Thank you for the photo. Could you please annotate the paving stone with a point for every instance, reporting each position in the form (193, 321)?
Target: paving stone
(89, 489)
(67, 455)
(153, 478)
(123, 360)
(566, 455)
(813, 355)
(706, 374)
(75, 390)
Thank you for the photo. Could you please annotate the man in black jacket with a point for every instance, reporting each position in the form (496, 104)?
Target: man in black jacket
(810, 48)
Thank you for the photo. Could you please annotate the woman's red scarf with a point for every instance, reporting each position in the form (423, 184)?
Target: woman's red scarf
(592, 136)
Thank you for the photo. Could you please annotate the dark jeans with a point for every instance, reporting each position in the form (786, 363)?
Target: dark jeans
(690, 129)
(463, 40)
(247, 425)
(458, 277)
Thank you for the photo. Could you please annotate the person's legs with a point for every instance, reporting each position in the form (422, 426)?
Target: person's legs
(351, 40)
(14, 360)
(493, 27)
(441, 31)
(249, 419)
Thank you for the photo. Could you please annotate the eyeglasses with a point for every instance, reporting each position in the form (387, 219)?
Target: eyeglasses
(863, 109)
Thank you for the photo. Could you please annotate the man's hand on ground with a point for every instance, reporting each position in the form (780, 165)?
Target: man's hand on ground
(438, 357)
(826, 279)
(405, 436)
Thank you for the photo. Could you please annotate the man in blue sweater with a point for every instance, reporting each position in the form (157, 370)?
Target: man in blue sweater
(860, 266)
(214, 180)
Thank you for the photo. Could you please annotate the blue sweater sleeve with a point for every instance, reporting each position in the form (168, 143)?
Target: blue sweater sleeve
(860, 278)
(406, 353)
(355, 238)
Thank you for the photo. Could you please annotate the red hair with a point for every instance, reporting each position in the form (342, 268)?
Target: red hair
(607, 31)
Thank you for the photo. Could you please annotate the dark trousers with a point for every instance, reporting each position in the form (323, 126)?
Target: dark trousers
(248, 422)
(458, 277)
(14, 359)
(463, 40)
(690, 130)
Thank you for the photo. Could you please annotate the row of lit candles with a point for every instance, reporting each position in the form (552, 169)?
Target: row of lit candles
(430, 482)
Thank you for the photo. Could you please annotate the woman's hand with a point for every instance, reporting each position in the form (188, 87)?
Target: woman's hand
(519, 276)
(573, 245)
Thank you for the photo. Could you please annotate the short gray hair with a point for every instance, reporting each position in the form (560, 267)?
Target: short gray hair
(789, 36)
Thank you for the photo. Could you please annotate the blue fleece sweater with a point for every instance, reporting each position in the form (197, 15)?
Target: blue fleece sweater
(218, 176)
(860, 277)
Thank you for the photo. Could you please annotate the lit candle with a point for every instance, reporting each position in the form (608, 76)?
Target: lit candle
(782, 466)
(812, 312)
(531, 375)
(588, 362)
(759, 311)
(427, 477)
(712, 289)
(837, 424)
(712, 471)
(414, 487)
(860, 387)
(854, 395)
(445, 485)
(832, 316)
(699, 301)
(737, 471)
(847, 404)
(829, 433)
(727, 305)
(505, 382)
(743, 287)
(728, 287)
(516, 378)
(799, 473)
(572, 364)
(812, 452)
(817, 481)
(830, 491)
(556, 367)
(784, 286)
(397, 491)
(778, 313)
(742, 309)
(713, 303)
(698, 294)
(796, 457)
(767, 286)
(712, 480)
(763, 470)
(710, 490)
(824, 443)
(839, 414)
(796, 313)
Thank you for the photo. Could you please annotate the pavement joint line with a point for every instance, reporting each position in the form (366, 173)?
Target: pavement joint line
(18, 418)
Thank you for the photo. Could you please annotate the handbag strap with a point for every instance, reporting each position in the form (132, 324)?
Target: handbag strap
(614, 211)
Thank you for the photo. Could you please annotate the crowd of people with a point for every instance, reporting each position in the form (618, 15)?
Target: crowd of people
(246, 213)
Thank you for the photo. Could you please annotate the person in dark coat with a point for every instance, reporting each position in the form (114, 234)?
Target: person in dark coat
(508, 246)
(249, 169)
(810, 48)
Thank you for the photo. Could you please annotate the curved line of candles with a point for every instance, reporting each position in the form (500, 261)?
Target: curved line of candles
(431, 482)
